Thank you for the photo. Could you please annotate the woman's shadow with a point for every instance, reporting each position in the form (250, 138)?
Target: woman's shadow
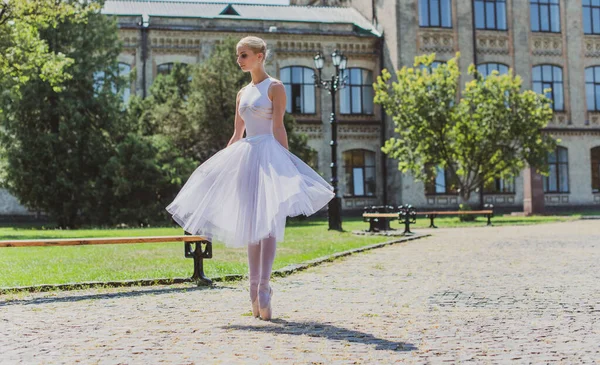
(315, 329)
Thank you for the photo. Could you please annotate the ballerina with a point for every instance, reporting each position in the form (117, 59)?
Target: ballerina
(242, 194)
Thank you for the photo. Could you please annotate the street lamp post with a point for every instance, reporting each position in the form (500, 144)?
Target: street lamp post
(336, 82)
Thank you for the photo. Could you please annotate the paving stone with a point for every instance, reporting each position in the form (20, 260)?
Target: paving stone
(528, 294)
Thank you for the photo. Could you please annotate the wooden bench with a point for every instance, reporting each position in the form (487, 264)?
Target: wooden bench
(432, 215)
(192, 247)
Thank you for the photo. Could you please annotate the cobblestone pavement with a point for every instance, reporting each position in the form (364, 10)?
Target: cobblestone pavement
(528, 294)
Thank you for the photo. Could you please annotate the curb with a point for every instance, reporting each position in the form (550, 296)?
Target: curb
(283, 272)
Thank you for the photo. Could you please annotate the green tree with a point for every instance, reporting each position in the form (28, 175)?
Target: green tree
(493, 131)
(57, 134)
(24, 53)
(194, 106)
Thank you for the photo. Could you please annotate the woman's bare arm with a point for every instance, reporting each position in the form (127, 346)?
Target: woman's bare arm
(277, 91)
(239, 124)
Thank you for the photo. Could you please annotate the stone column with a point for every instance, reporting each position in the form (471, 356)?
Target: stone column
(533, 192)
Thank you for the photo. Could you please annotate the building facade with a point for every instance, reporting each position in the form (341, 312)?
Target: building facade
(532, 37)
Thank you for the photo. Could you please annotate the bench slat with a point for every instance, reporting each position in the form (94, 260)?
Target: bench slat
(380, 215)
(98, 241)
(458, 212)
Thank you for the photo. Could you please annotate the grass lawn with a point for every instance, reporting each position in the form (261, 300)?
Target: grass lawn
(304, 240)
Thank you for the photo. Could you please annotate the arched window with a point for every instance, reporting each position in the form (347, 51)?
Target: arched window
(442, 181)
(490, 14)
(595, 152)
(299, 89)
(435, 13)
(359, 172)
(164, 68)
(357, 96)
(545, 16)
(558, 179)
(486, 69)
(591, 16)
(549, 76)
(592, 88)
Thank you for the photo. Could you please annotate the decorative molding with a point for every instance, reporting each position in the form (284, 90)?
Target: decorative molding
(439, 41)
(492, 42)
(593, 119)
(592, 46)
(363, 132)
(547, 45)
(313, 131)
(553, 198)
(294, 47)
(560, 119)
(573, 131)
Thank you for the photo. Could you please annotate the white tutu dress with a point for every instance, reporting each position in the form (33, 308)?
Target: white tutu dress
(244, 192)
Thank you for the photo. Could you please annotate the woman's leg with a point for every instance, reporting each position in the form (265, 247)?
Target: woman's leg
(254, 268)
(267, 254)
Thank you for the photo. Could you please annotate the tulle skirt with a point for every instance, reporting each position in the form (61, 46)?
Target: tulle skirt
(244, 193)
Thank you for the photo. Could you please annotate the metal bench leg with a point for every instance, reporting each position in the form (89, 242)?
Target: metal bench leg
(198, 254)
(407, 227)
(489, 219)
(431, 218)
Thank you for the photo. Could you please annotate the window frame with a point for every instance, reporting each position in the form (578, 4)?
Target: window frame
(302, 84)
(558, 165)
(594, 26)
(596, 84)
(545, 82)
(550, 4)
(348, 87)
(497, 181)
(487, 67)
(439, 14)
(448, 179)
(485, 15)
(349, 188)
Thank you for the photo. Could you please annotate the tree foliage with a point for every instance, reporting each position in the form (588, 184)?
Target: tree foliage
(493, 131)
(194, 106)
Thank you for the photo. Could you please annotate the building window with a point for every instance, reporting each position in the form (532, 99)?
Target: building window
(300, 89)
(592, 88)
(545, 16)
(550, 77)
(442, 181)
(359, 172)
(500, 186)
(595, 169)
(123, 71)
(490, 14)
(591, 16)
(486, 69)
(164, 68)
(431, 67)
(558, 179)
(357, 96)
(435, 13)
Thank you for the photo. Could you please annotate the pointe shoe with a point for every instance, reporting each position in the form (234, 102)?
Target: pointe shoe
(255, 311)
(266, 311)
